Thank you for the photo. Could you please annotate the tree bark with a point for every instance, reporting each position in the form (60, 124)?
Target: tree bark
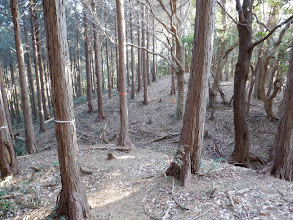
(241, 150)
(29, 130)
(78, 78)
(132, 58)
(124, 139)
(187, 158)
(281, 165)
(89, 94)
(139, 53)
(29, 72)
(8, 164)
(15, 97)
(6, 107)
(154, 56)
(146, 100)
(101, 115)
(39, 97)
(41, 71)
(72, 198)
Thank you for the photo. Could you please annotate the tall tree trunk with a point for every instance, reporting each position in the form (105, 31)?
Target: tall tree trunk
(8, 164)
(39, 97)
(187, 160)
(139, 53)
(6, 107)
(241, 150)
(41, 71)
(89, 94)
(127, 63)
(29, 72)
(101, 115)
(154, 56)
(108, 71)
(124, 139)
(78, 78)
(180, 79)
(146, 100)
(28, 124)
(281, 165)
(15, 98)
(72, 198)
(102, 67)
(132, 58)
(147, 67)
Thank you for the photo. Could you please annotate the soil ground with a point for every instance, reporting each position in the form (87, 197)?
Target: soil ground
(133, 186)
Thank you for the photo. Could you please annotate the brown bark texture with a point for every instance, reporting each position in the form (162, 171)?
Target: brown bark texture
(72, 198)
(28, 123)
(89, 93)
(241, 150)
(281, 165)
(123, 139)
(187, 159)
(36, 64)
(8, 163)
(101, 115)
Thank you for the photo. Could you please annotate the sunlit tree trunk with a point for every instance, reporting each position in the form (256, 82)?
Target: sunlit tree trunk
(187, 159)
(101, 115)
(123, 139)
(146, 100)
(72, 198)
(29, 129)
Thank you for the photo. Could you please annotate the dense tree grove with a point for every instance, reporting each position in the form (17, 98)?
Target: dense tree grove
(56, 54)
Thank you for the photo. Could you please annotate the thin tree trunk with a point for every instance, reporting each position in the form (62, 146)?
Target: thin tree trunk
(241, 150)
(132, 58)
(154, 56)
(39, 97)
(72, 198)
(101, 115)
(123, 139)
(29, 130)
(29, 72)
(15, 98)
(146, 100)
(79, 89)
(108, 71)
(102, 67)
(139, 53)
(89, 94)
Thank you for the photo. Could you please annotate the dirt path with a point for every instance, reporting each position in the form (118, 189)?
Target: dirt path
(133, 185)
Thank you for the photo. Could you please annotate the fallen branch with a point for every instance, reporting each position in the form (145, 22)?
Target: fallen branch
(166, 137)
(179, 205)
(122, 149)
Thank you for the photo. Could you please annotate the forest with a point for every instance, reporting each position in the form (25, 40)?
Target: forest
(146, 109)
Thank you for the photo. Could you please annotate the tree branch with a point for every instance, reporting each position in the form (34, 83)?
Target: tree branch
(270, 33)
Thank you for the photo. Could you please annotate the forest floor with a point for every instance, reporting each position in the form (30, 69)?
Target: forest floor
(133, 186)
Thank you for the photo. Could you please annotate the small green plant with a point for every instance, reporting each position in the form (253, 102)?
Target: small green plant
(56, 164)
(5, 208)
